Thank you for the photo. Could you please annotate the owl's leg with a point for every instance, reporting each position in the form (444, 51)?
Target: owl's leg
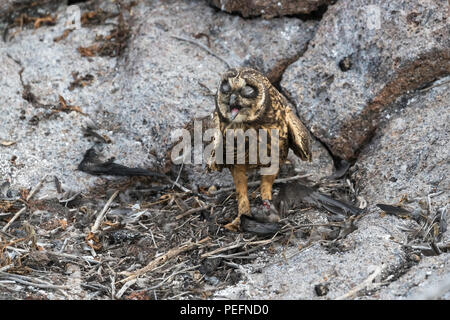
(266, 186)
(266, 212)
(239, 173)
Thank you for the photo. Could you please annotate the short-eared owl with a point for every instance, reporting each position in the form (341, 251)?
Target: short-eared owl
(245, 100)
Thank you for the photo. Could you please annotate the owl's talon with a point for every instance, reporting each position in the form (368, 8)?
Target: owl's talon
(234, 225)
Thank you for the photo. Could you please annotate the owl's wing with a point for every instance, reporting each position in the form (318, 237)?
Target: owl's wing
(299, 139)
(211, 164)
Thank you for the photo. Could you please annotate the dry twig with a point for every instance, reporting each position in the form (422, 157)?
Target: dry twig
(161, 259)
(200, 45)
(36, 188)
(362, 285)
(191, 211)
(14, 218)
(102, 214)
(30, 195)
(237, 245)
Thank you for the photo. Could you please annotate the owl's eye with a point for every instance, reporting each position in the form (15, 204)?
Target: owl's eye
(225, 87)
(248, 92)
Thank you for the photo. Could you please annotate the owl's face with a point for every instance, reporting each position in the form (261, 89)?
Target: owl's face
(242, 95)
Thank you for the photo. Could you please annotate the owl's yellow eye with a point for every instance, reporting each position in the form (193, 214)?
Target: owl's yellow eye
(225, 87)
(248, 92)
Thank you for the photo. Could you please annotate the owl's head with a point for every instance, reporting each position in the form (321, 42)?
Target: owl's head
(242, 95)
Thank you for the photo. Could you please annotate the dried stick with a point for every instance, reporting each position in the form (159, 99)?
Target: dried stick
(70, 199)
(362, 285)
(204, 48)
(240, 244)
(7, 267)
(36, 188)
(211, 253)
(264, 242)
(240, 255)
(190, 211)
(124, 288)
(37, 285)
(435, 85)
(102, 214)
(171, 276)
(37, 282)
(18, 213)
(72, 256)
(30, 195)
(184, 189)
(153, 238)
(179, 173)
(161, 259)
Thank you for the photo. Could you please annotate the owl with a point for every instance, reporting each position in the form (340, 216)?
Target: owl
(246, 100)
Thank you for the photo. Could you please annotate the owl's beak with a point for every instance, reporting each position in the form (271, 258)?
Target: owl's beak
(233, 106)
(233, 99)
(234, 113)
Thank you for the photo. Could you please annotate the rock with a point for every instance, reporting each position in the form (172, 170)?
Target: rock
(136, 99)
(35, 71)
(269, 8)
(427, 280)
(321, 165)
(409, 153)
(321, 289)
(364, 55)
(391, 171)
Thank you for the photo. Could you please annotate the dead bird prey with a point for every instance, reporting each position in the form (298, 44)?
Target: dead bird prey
(292, 194)
(295, 192)
(92, 165)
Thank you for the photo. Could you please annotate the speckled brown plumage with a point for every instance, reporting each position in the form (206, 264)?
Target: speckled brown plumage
(245, 100)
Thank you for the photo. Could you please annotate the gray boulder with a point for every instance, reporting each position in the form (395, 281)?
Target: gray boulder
(364, 55)
(409, 155)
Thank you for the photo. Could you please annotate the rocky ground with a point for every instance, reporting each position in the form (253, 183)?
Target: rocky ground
(370, 80)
